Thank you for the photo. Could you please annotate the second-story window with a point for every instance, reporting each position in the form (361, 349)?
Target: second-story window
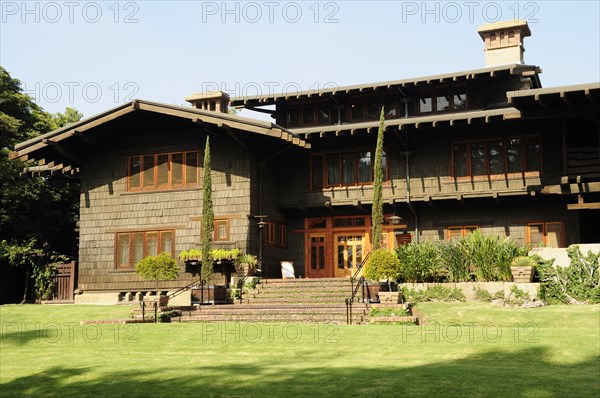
(442, 99)
(496, 156)
(335, 169)
(162, 171)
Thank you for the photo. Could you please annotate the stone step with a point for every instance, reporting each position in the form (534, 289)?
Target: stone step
(272, 310)
(309, 288)
(314, 293)
(292, 318)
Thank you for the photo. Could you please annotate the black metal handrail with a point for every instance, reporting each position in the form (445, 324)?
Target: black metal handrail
(354, 288)
(241, 282)
(183, 289)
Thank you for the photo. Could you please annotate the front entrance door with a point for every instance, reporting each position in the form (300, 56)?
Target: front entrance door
(316, 256)
(349, 249)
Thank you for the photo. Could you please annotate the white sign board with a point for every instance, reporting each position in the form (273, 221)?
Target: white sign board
(287, 270)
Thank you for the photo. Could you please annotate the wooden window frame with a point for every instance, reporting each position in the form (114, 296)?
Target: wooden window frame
(270, 234)
(341, 184)
(522, 164)
(545, 224)
(129, 266)
(154, 170)
(216, 236)
(464, 230)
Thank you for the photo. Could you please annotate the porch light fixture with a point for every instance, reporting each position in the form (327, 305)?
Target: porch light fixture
(394, 219)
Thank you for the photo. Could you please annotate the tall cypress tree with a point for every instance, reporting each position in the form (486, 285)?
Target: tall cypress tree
(208, 218)
(377, 209)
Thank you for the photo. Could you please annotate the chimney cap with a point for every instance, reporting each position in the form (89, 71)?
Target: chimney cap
(519, 24)
(207, 95)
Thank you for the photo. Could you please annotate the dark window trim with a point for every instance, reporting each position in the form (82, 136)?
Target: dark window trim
(523, 154)
(341, 176)
(434, 92)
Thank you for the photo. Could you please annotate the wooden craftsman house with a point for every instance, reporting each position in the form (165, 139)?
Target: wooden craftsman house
(487, 148)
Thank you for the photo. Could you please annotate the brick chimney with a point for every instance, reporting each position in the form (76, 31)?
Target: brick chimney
(216, 101)
(503, 42)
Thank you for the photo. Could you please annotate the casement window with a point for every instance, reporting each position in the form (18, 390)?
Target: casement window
(221, 230)
(549, 234)
(336, 169)
(163, 171)
(496, 156)
(458, 231)
(275, 234)
(131, 247)
(442, 99)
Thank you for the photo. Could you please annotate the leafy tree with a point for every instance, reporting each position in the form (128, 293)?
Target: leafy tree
(377, 210)
(42, 210)
(208, 218)
(161, 267)
(383, 264)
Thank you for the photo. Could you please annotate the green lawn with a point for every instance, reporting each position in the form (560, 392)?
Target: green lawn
(464, 350)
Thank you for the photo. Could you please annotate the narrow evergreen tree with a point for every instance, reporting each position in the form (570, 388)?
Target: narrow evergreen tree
(377, 209)
(207, 218)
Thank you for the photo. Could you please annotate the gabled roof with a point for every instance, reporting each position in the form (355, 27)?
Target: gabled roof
(54, 147)
(512, 69)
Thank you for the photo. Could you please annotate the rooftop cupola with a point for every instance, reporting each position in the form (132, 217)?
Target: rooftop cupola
(216, 101)
(503, 42)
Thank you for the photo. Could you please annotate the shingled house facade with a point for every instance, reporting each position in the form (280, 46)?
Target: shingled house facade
(487, 148)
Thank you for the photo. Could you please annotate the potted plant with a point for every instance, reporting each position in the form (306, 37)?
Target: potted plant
(190, 255)
(384, 265)
(246, 264)
(161, 267)
(522, 268)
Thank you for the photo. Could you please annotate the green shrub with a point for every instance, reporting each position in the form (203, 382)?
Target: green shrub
(455, 258)
(487, 257)
(161, 267)
(483, 295)
(523, 261)
(419, 262)
(382, 264)
(389, 312)
(434, 293)
(579, 282)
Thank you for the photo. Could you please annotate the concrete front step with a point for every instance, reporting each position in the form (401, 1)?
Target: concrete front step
(285, 311)
(273, 317)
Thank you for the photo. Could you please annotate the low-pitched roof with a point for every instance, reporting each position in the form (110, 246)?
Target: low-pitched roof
(448, 119)
(271, 98)
(48, 147)
(578, 98)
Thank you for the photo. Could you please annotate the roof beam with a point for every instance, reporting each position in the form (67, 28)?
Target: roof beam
(91, 139)
(63, 150)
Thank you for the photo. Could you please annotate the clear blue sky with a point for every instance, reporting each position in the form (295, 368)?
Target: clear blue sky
(96, 55)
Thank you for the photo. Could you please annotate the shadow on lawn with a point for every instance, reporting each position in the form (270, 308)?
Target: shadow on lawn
(524, 373)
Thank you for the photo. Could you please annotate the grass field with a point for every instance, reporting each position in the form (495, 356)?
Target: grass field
(464, 350)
